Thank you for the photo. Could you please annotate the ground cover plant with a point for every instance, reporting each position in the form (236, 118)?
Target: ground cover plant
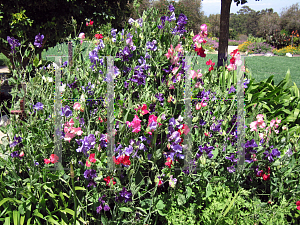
(151, 183)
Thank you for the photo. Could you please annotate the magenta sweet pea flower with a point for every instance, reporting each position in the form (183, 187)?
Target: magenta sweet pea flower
(135, 124)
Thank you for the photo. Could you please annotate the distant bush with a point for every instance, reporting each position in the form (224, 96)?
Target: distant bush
(288, 49)
(255, 39)
(259, 47)
(242, 37)
(280, 39)
(234, 42)
(244, 46)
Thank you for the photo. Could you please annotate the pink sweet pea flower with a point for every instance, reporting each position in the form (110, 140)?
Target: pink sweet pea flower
(53, 158)
(278, 121)
(193, 74)
(261, 135)
(68, 137)
(153, 118)
(203, 27)
(186, 129)
(272, 123)
(81, 36)
(170, 52)
(259, 117)
(179, 48)
(175, 60)
(77, 106)
(261, 124)
(174, 70)
(135, 124)
(92, 158)
(47, 161)
(77, 131)
(70, 123)
(21, 154)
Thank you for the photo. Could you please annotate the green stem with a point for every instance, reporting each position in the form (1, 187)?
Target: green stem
(73, 187)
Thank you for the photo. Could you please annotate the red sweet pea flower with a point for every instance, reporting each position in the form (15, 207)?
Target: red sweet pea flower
(98, 36)
(123, 159)
(47, 161)
(232, 60)
(298, 205)
(210, 63)
(210, 68)
(53, 158)
(200, 51)
(169, 162)
(107, 180)
(91, 23)
(266, 177)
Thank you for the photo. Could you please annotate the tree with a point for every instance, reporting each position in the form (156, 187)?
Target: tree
(289, 18)
(224, 29)
(268, 23)
(23, 20)
(213, 25)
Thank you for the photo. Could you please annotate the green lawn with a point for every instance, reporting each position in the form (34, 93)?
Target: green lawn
(262, 67)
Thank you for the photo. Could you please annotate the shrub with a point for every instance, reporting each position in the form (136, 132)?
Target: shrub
(234, 42)
(288, 49)
(244, 46)
(259, 47)
(255, 39)
(242, 37)
(281, 40)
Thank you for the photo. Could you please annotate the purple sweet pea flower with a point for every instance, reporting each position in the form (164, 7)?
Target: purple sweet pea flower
(231, 158)
(38, 40)
(171, 8)
(232, 89)
(90, 174)
(66, 111)
(231, 169)
(38, 106)
(13, 43)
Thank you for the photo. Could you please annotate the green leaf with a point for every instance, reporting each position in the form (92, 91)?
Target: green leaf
(125, 209)
(189, 192)
(7, 221)
(160, 204)
(38, 214)
(16, 216)
(181, 199)
(209, 190)
(51, 220)
(79, 188)
(36, 61)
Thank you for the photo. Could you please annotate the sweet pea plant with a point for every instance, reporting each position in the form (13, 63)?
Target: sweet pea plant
(150, 176)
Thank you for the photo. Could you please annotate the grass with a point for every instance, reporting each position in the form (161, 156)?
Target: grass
(263, 67)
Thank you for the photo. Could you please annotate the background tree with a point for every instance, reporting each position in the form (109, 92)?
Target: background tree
(268, 23)
(213, 25)
(289, 18)
(224, 29)
(52, 18)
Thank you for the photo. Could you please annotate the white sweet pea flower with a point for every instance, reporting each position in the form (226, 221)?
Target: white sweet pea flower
(62, 88)
(47, 79)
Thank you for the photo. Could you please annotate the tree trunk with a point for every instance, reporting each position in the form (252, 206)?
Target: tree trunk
(224, 32)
